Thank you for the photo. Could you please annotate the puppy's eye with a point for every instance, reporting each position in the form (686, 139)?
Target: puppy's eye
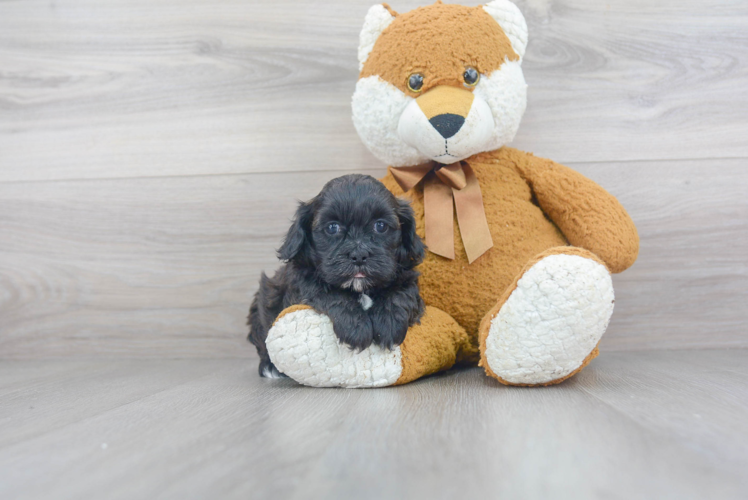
(415, 82)
(380, 227)
(471, 77)
(332, 228)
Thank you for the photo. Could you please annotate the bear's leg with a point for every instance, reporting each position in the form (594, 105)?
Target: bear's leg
(548, 323)
(302, 345)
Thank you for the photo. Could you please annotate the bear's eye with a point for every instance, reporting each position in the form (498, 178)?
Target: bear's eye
(471, 77)
(415, 82)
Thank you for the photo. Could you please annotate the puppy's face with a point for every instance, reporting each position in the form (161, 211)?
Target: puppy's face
(355, 234)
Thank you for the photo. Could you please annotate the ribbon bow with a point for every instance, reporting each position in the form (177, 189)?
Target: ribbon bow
(442, 184)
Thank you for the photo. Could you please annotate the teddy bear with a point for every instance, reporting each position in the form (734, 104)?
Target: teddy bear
(517, 276)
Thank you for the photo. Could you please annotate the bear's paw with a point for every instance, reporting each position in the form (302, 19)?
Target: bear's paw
(303, 345)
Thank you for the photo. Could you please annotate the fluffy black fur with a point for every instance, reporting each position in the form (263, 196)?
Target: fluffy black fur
(354, 227)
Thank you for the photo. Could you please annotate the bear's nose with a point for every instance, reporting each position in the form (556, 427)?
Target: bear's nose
(447, 124)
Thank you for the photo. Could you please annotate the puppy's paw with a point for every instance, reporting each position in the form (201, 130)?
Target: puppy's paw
(355, 330)
(303, 345)
(389, 330)
(268, 370)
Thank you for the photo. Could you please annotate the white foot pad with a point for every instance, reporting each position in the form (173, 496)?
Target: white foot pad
(303, 345)
(551, 321)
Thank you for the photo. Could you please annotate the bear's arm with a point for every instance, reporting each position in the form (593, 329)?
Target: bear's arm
(587, 214)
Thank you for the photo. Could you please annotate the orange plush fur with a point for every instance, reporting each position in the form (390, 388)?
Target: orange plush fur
(416, 44)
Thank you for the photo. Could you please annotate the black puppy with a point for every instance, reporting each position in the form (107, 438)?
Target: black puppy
(350, 254)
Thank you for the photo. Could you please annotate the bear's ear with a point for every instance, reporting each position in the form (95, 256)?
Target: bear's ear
(377, 19)
(511, 21)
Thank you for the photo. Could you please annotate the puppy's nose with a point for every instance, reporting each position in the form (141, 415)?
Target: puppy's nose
(359, 256)
(447, 124)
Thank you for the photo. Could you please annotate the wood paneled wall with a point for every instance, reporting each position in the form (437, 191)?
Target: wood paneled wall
(152, 152)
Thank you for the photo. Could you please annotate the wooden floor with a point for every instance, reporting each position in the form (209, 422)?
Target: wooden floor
(668, 424)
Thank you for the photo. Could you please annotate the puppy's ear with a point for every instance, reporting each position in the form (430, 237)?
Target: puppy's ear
(297, 245)
(411, 247)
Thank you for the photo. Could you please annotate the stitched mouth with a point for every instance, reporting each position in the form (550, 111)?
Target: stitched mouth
(446, 150)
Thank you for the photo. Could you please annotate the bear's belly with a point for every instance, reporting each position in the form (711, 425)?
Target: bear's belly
(519, 229)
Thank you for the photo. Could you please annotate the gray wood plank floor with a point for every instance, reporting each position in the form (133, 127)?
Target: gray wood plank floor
(662, 424)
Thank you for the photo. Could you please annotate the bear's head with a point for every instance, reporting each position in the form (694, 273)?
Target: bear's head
(441, 83)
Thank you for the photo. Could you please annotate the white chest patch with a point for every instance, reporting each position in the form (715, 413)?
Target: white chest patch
(365, 302)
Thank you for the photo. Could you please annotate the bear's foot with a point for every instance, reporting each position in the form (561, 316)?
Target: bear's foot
(547, 326)
(303, 345)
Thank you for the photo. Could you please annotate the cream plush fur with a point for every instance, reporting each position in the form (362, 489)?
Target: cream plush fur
(304, 344)
(552, 320)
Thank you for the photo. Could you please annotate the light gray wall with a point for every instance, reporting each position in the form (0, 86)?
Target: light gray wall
(151, 153)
